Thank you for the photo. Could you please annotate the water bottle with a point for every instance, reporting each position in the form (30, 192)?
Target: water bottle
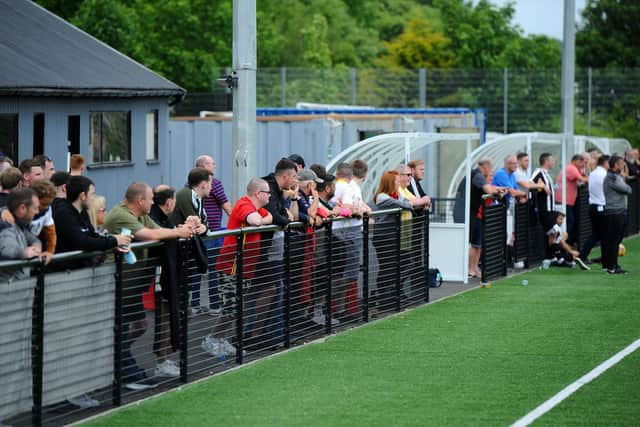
(129, 257)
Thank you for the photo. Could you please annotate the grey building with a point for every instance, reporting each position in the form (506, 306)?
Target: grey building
(63, 92)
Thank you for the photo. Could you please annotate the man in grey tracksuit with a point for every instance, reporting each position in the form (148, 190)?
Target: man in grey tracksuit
(16, 241)
(616, 192)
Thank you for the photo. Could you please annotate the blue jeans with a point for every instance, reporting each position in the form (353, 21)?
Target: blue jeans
(213, 248)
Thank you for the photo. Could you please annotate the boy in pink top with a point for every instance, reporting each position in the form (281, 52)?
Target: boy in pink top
(574, 177)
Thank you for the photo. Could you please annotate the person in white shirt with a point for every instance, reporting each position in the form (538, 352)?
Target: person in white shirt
(348, 196)
(596, 206)
(522, 175)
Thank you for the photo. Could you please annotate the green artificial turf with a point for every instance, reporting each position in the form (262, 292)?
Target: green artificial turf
(485, 357)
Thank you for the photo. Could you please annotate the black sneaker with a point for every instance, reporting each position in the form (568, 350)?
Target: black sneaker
(617, 271)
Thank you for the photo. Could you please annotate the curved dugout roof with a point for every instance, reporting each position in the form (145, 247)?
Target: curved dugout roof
(535, 143)
(388, 151)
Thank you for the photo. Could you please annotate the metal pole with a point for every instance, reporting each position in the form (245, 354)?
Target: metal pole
(117, 329)
(329, 282)
(467, 216)
(398, 223)
(505, 102)
(568, 66)
(183, 301)
(239, 297)
(353, 85)
(287, 288)
(589, 104)
(37, 347)
(283, 86)
(425, 254)
(365, 267)
(422, 87)
(244, 98)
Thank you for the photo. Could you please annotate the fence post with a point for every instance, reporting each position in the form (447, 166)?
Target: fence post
(398, 276)
(329, 282)
(37, 347)
(422, 87)
(505, 106)
(239, 298)
(365, 267)
(117, 334)
(183, 301)
(352, 75)
(503, 215)
(287, 288)
(425, 254)
(589, 92)
(283, 86)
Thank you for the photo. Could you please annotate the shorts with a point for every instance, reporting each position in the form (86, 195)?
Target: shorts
(476, 233)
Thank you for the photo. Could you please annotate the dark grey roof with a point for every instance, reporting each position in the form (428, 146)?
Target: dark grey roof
(43, 55)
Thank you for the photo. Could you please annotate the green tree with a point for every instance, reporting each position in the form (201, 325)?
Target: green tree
(111, 22)
(419, 46)
(609, 34)
(316, 52)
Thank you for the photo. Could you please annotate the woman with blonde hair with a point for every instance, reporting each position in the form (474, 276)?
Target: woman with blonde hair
(97, 212)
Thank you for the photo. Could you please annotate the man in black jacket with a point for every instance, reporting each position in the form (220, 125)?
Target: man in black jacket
(73, 228)
(283, 187)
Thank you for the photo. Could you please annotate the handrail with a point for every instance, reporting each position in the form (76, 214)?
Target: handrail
(75, 255)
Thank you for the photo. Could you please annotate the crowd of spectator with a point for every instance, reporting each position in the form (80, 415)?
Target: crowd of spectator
(605, 176)
(45, 212)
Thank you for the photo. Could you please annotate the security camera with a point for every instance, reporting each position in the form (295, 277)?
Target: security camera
(229, 81)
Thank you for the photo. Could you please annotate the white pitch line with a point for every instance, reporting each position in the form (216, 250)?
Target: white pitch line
(573, 387)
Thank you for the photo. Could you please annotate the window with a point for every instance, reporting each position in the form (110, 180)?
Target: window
(110, 136)
(9, 135)
(152, 135)
(38, 134)
(73, 134)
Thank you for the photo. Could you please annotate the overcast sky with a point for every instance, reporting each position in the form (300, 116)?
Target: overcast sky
(542, 16)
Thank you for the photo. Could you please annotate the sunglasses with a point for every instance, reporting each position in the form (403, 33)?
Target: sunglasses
(265, 191)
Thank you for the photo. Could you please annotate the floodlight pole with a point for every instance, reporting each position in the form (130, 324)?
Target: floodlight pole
(244, 96)
(568, 79)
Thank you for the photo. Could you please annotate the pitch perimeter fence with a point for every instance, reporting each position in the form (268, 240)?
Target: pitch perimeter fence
(76, 342)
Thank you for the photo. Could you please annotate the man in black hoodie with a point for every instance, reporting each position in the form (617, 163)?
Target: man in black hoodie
(283, 187)
(73, 228)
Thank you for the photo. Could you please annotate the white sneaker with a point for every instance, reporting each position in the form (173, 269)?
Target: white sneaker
(212, 346)
(194, 311)
(215, 312)
(227, 347)
(83, 401)
(168, 368)
(320, 319)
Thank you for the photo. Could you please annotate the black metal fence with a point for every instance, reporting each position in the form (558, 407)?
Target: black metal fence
(78, 342)
(494, 242)
(633, 211)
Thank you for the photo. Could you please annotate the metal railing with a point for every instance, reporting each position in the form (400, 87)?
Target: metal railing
(79, 341)
(494, 240)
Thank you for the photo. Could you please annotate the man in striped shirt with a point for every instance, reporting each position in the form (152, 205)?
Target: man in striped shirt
(214, 204)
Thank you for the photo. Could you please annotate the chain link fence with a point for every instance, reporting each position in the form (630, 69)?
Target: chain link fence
(517, 100)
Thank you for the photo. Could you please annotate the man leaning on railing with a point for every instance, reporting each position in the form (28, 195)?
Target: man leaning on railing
(16, 241)
(73, 228)
(133, 213)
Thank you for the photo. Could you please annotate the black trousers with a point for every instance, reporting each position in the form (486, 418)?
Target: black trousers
(615, 224)
(598, 230)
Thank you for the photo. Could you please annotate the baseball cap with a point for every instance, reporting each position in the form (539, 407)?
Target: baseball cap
(309, 175)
